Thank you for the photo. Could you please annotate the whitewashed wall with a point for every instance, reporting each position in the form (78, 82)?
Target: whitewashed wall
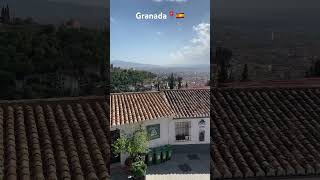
(194, 131)
(167, 132)
(164, 134)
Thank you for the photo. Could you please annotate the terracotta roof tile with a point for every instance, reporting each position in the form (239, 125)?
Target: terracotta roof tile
(54, 139)
(265, 131)
(304, 82)
(127, 108)
(189, 102)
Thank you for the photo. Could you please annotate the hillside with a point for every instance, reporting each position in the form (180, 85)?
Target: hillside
(89, 13)
(49, 61)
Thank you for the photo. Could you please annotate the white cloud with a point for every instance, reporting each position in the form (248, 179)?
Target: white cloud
(197, 50)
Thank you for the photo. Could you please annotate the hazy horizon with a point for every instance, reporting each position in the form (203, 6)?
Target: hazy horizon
(160, 65)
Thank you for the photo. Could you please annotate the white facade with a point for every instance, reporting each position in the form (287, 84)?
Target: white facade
(168, 131)
(195, 131)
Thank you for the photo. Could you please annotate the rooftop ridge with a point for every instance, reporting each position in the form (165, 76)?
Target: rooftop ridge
(266, 87)
(165, 90)
(53, 100)
(144, 92)
(279, 84)
(188, 89)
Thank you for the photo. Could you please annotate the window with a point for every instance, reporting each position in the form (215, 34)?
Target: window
(153, 131)
(202, 122)
(201, 136)
(183, 131)
(202, 125)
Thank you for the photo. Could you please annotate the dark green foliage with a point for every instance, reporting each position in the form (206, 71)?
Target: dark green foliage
(43, 57)
(179, 82)
(222, 59)
(245, 75)
(172, 82)
(7, 81)
(314, 70)
(121, 79)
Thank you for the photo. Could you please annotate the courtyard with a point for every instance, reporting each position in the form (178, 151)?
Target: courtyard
(189, 162)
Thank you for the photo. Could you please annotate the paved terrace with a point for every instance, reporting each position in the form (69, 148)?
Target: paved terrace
(189, 162)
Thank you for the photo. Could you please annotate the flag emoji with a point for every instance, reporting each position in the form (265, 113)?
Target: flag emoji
(180, 15)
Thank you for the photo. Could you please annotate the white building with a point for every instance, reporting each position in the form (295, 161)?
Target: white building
(175, 117)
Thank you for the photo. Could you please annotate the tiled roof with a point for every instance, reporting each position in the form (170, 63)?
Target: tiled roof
(54, 139)
(189, 103)
(265, 132)
(127, 108)
(304, 82)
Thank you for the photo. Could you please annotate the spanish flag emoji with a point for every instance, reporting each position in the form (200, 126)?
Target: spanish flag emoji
(180, 15)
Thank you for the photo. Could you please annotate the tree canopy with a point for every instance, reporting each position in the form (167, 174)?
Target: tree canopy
(31, 52)
(121, 79)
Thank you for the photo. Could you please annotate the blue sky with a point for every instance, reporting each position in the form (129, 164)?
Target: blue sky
(160, 42)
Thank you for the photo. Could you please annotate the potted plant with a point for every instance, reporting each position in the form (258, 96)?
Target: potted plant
(135, 145)
(139, 169)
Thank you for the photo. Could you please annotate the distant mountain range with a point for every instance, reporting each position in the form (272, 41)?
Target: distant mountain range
(169, 67)
(127, 65)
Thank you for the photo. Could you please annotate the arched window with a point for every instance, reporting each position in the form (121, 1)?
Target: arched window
(202, 122)
(201, 136)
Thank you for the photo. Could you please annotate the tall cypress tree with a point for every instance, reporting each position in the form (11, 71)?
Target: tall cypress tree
(314, 70)
(2, 14)
(179, 82)
(245, 75)
(222, 58)
(5, 15)
(8, 13)
(171, 81)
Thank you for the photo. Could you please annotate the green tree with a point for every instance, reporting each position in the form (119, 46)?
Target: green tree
(7, 80)
(135, 145)
(28, 49)
(172, 82)
(245, 76)
(121, 79)
(222, 59)
(179, 82)
(28, 93)
(314, 70)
